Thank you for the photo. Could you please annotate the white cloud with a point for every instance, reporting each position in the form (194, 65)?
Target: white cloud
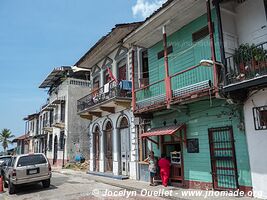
(144, 8)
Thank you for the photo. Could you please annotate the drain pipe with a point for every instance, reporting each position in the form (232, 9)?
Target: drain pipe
(216, 4)
(212, 47)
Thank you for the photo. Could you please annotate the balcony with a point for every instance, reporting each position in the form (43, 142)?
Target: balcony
(47, 126)
(247, 68)
(189, 84)
(105, 99)
(59, 121)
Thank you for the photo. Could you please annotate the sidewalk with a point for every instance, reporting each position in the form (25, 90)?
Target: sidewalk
(144, 188)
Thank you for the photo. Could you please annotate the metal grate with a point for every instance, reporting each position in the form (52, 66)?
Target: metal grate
(192, 88)
(223, 158)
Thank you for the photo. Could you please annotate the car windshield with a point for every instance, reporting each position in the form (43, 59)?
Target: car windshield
(31, 160)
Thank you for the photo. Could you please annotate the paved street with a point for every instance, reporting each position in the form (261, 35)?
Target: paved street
(74, 185)
(69, 187)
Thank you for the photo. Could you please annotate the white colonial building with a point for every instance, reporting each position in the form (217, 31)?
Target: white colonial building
(113, 141)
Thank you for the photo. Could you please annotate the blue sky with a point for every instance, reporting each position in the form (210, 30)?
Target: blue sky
(38, 35)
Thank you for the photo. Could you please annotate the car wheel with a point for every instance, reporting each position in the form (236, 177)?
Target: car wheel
(5, 183)
(11, 187)
(46, 183)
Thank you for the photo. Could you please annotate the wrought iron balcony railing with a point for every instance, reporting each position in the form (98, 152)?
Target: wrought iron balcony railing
(247, 63)
(111, 90)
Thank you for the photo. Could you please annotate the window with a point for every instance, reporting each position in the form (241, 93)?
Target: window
(107, 77)
(122, 70)
(50, 142)
(144, 79)
(31, 160)
(61, 140)
(96, 82)
(260, 117)
(62, 112)
(200, 34)
(161, 53)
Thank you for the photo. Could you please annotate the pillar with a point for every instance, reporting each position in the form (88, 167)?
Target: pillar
(116, 151)
(102, 152)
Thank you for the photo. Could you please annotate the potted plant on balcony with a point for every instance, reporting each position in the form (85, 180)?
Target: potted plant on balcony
(242, 58)
(259, 59)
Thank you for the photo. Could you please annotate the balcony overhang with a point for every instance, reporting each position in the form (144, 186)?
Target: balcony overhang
(174, 15)
(246, 84)
(48, 129)
(31, 117)
(105, 107)
(60, 125)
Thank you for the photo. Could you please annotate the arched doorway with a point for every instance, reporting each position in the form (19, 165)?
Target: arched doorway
(108, 147)
(125, 149)
(96, 148)
(55, 150)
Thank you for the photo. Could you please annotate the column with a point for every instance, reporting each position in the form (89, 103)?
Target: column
(116, 153)
(102, 152)
(91, 142)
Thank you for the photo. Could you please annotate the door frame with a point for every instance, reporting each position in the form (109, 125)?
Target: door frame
(128, 156)
(95, 145)
(108, 129)
(55, 150)
(213, 161)
(174, 142)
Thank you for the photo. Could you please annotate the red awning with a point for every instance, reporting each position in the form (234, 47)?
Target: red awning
(166, 130)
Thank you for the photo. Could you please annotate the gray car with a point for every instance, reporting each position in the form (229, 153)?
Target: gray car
(27, 168)
(3, 160)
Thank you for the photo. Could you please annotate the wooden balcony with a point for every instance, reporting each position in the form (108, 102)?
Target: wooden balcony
(104, 99)
(187, 85)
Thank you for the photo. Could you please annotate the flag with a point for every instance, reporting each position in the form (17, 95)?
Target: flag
(111, 75)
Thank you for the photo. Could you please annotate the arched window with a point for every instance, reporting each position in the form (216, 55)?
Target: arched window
(108, 126)
(124, 123)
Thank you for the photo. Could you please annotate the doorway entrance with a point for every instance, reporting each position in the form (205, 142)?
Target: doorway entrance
(108, 148)
(55, 150)
(223, 158)
(125, 152)
(96, 149)
(173, 151)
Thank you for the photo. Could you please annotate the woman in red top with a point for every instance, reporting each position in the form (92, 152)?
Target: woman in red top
(164, 165)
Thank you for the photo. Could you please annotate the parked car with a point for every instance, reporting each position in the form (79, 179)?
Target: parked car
(3, 159)
(27, 168)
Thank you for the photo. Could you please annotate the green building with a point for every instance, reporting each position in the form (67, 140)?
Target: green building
(178, 71)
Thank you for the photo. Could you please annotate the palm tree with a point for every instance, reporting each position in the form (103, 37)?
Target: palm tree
(5, 138)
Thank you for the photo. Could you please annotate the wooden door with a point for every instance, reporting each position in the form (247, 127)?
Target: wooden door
(108, 151)
(109, 157)
(223, 159)
(55, 150)
(122, 73)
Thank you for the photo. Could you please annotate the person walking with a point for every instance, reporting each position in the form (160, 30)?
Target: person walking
(164, 165)
(151, 167)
